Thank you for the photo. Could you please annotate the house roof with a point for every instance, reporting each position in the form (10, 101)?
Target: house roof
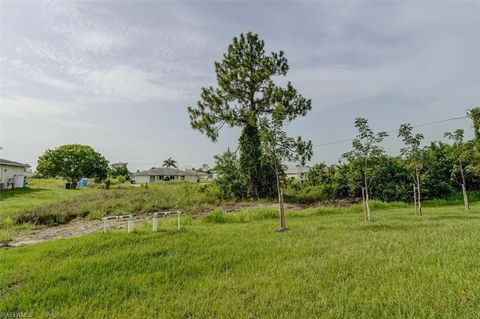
(160, 171)
(168, 171)
(297, 170)
(11, 163)
(192, 172)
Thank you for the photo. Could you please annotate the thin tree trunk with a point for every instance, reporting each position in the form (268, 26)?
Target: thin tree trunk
(464, 189)
(367, 205)
(281, 207)
(419, 198)
(282, 210)
(415, 199)
(363, 203)
(366, 199)
(465, 197)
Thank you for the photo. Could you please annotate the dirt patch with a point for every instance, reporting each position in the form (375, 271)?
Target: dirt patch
(75, 228)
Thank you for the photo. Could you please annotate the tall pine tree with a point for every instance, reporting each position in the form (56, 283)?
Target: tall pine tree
(246, 91)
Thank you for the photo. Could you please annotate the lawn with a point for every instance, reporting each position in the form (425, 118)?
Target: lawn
(41, 192)
(328, 264)
(46, 202)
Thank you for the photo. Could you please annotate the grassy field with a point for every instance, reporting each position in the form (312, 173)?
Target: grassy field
(328, 264)
(46, 202)
(40, 193)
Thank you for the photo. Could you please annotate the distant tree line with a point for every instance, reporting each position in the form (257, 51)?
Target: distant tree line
(438, 170)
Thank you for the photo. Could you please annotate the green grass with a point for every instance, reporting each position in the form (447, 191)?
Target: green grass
(186, 196)
(46, 202)
(41, 192)
(329, 264)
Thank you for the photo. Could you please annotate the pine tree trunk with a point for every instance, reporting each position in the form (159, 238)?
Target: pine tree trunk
(250, 154)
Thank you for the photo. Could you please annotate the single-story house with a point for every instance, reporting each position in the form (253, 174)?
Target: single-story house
(202, 175)
(156, 174)
(12, 174)
(298, 172)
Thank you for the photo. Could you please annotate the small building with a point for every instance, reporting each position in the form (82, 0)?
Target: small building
(202, 176)
(298, 172)
(157, 174)
(12, 174)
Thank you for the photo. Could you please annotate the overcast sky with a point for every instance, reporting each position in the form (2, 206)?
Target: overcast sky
(120, 75)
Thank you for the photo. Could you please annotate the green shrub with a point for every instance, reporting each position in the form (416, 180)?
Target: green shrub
(307, 194)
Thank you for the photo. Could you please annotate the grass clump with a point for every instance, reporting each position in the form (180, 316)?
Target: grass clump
(378, 205)
(97, 214)
(218, 216)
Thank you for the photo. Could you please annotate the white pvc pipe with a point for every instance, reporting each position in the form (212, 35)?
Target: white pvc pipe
(164, 214)
(130, 225)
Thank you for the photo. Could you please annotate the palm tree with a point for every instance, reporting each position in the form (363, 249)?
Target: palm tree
(170, 162)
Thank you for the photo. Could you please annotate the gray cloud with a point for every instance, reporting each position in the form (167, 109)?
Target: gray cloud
(119, 75)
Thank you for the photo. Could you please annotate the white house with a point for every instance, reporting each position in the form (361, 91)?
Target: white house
(156, 174)
(12, 174)
(202, 175)
(298, 172)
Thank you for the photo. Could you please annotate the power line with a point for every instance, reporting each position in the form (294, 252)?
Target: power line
(393, 131)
